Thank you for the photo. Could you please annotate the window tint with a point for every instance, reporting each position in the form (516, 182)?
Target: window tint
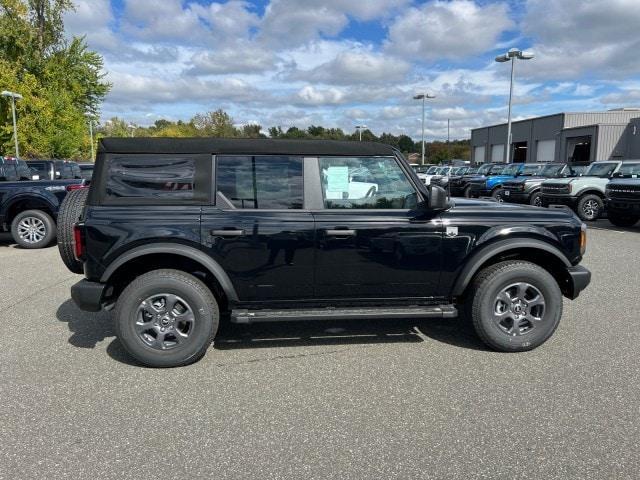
(146, 176)
(365, 182)
(272, 182)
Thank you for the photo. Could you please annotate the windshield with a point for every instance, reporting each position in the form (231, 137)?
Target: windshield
(444, 170)
(510, 170)
(551, 170)
(602, 170)
(486, 168)
(629, 170)
(530, 170)
(432, 170)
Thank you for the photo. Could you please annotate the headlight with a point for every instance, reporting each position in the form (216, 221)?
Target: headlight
(583, 238)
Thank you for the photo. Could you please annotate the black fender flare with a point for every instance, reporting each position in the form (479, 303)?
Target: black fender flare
(483, 254)
(176, 249)
(13, 199)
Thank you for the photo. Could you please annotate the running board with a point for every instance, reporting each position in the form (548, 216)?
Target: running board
(372, 313)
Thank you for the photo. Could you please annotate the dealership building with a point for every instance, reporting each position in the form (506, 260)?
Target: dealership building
(563, 137)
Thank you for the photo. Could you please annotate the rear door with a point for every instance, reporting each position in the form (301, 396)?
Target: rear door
(258, 230)
(373, 240)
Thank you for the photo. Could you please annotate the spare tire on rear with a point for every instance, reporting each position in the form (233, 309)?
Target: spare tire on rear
(69, 214)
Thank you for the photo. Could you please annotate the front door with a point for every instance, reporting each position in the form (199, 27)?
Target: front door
(258, 231)
(372, 238)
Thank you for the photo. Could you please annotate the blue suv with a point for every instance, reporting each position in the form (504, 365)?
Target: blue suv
(492, 184)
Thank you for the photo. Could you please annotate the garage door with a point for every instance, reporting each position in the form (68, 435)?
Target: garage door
(497, 153)
(546, 151)
(478, 155)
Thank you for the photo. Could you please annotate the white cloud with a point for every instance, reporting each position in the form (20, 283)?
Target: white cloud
(242, 58)
(453, 30)
(574, 37)
(91, 19)
(310, 95)
(356, 67)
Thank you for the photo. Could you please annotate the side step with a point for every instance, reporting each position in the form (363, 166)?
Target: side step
(370, 313)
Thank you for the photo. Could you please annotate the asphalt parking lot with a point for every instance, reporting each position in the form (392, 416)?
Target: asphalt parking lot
(322, 400)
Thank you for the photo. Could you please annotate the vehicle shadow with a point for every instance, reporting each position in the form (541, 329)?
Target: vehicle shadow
(6, 240)
(88, 329)
(603, 224)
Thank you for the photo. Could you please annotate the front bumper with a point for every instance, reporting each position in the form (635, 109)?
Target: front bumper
(579, 279)
(623, 205)
(88, 295)
(567, 200)
(516, 197)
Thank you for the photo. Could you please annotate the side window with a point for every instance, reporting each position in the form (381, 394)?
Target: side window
(266, 182)
(365, 182)
(166, 177)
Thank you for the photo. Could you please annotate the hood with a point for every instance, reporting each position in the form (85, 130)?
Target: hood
(510, 208)
(624, 182)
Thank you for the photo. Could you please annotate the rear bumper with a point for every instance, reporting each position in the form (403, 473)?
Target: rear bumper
(579, 279)
(88, 295)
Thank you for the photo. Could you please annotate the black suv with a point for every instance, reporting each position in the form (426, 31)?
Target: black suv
(176, 232)
(623, 196)
(526, 188)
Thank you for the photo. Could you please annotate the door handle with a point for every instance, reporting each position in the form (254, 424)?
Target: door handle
(340, 233)
(227, 233)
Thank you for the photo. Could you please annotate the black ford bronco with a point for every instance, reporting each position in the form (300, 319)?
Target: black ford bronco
(177, 233)
(623, 196)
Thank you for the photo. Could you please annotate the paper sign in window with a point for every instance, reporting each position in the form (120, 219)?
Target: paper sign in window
(338, 179)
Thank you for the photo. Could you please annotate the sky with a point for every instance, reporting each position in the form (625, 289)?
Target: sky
(341, 63)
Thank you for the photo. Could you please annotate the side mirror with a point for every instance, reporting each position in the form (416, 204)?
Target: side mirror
(438, 199)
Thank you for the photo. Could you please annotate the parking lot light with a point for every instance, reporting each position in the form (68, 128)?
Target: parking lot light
(14, 96)
(511, 56)
(359, 128)
(423, 97)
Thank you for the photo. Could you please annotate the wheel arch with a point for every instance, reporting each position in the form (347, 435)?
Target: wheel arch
(145, 258)
(590, 191)
(536, 251)
(21, 203)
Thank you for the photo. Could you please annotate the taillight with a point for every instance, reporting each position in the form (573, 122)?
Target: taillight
(71, 188)
(78, 242)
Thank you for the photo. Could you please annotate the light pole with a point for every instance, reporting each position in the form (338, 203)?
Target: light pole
(423, 97)
(359, 128)
(511, 56)
(14, 96)
(91, 137)
(132, 127)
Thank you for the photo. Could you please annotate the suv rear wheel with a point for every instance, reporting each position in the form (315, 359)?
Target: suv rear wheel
(514, 306)
(33, 229)
(166, 318)
(589, 207)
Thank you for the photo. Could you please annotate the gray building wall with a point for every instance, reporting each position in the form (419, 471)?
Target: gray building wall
(611, 134)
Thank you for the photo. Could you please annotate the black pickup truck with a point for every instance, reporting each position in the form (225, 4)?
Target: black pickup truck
(30, 209)
(13, 169)
(176, 232)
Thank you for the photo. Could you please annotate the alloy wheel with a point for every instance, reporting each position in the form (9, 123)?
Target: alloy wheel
(591, 209)
(32, 230)
(518, 308)
(164, 321)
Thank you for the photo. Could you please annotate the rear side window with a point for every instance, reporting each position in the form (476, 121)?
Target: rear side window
(264, 182)
(153, 177)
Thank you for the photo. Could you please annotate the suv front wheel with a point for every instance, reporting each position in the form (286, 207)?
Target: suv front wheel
(590, 207)
(166, 318)
(514, 306)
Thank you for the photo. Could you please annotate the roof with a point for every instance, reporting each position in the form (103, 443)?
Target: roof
(248, 146)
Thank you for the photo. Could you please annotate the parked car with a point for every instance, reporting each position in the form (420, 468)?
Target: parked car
(623, 196)
(86, 170)
(585, 195)
(55, 169)
(270, 230)
(459, 186)
(492, 184)
(526, 187)
(29, 209)
(12, 169)
(442, 180)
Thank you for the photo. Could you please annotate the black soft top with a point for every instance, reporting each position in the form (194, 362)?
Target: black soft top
(246, 146)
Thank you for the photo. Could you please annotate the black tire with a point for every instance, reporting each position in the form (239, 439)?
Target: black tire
(466, 193)
(622, 220)
(44, 229)
(536, 199)
(498, 194)
(70, 212)
(526, 334)
(590, 207)
(158, 283)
